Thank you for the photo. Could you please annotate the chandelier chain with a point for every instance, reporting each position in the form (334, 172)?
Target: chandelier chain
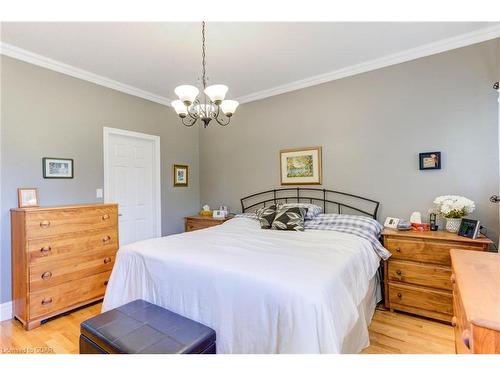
(203, 56)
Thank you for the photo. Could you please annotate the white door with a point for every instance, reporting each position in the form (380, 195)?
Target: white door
(132, 179)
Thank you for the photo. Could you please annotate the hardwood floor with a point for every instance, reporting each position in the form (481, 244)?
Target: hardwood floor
(390, 333)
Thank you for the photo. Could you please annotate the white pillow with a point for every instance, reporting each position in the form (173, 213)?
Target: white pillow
(313, 210)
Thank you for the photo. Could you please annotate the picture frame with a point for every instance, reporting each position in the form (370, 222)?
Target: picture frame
(27, 197)
(57, 167)
(181, 175)
(429, 160)
(391, 222)
(469, 228)
(301, 166)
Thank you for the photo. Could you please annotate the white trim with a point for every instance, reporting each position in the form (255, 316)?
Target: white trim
(458, 41)
(6, 311)
(463, 40)
(106, 132)
(36, 59)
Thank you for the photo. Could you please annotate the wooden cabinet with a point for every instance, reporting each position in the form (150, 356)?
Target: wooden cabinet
(417, 275)
(202, 222)
(61, 258)
(476, 302)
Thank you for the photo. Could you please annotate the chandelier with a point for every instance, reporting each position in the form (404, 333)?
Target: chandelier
(210, 106)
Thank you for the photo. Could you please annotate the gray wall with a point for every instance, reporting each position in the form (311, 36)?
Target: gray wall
(372, 127)
(45, 113)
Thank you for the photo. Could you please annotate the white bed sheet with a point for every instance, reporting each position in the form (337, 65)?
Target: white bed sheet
(262, 291)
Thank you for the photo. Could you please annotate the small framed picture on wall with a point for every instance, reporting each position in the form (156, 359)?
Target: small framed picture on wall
(430, 160)
(27, 197)
(181, 175)
(57, 168)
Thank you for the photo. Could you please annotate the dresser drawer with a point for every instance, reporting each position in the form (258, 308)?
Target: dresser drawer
(64, 296)
(426, 251)
(55, 248)
(429, 275)
(421, 299)
(48, 274)
(56, 222)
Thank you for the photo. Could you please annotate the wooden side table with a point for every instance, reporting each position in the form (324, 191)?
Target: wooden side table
(417, 275)
(201, 222)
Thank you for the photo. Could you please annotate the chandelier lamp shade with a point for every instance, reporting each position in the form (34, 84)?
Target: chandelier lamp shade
(210, 105)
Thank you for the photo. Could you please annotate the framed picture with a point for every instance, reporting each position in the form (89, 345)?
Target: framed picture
(430, 160)
(301, 166)
(27, 197)
(57, 168)
(181, 175)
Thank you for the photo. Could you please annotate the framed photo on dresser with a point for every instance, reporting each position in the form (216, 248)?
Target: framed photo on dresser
(27, 197)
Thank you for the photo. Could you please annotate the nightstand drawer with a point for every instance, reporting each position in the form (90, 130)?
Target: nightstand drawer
(429, 275)
(428, 302)
(426, 251)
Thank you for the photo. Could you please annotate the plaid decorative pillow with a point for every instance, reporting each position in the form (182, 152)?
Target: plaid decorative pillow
(289, 218)
(313, 210)
(266, 216)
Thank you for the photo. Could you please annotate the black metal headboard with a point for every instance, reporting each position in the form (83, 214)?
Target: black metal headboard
(331, 200)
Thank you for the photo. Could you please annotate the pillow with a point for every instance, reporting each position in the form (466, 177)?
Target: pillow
(266, 216)
(313, 210)
(289, 218)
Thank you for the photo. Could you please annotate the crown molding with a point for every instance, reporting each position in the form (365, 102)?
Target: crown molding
(57, 66)
(443, 45)
(463, 40)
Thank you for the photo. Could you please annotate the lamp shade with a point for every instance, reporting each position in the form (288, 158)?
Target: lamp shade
(187, 93)
(229, 107)
(180, 108)
(216, 93)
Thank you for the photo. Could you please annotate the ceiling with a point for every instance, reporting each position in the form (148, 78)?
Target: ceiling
(254, 59)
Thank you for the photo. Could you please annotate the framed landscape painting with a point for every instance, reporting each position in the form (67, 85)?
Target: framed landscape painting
(301, 166)
(180, 175)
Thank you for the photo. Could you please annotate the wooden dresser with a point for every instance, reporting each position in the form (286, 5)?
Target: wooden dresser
(417, 275)
(61, 258)
(476, 302)
(202, 222)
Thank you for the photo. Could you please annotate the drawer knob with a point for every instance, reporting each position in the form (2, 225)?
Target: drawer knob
(398, 249)
(452, 278)
(106, 283)
(454, 321)
(46, 301)
(107, 260)
(46, 275)
(399, 295)
(466, 338)
(45, 224)
(45, 249)
(398, 272)
(106, 239)
(105, 217)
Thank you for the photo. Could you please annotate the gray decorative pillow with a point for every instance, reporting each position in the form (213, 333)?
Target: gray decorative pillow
(266, 216)
(313, 210)
(289, 218)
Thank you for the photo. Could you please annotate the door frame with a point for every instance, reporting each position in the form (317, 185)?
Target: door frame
(106, 132)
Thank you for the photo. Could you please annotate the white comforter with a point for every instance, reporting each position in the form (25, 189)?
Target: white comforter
(263, 291)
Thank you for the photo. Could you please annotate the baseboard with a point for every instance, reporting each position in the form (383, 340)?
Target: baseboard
(6, 311)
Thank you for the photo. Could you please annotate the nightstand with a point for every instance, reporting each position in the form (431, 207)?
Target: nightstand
(201, 222)
(417, 275)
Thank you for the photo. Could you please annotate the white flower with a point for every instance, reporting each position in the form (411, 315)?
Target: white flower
(453, 206)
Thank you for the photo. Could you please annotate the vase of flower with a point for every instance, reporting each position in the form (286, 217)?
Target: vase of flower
(453, 208)
(453, 224)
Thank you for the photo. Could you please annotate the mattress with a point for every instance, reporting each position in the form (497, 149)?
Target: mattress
(262, 291)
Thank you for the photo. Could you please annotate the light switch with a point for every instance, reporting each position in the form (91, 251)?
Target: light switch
(98, 193)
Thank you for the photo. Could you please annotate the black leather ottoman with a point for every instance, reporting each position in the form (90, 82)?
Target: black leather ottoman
(141, 327)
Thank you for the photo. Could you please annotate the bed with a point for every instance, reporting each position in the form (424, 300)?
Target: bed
(263, 291)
